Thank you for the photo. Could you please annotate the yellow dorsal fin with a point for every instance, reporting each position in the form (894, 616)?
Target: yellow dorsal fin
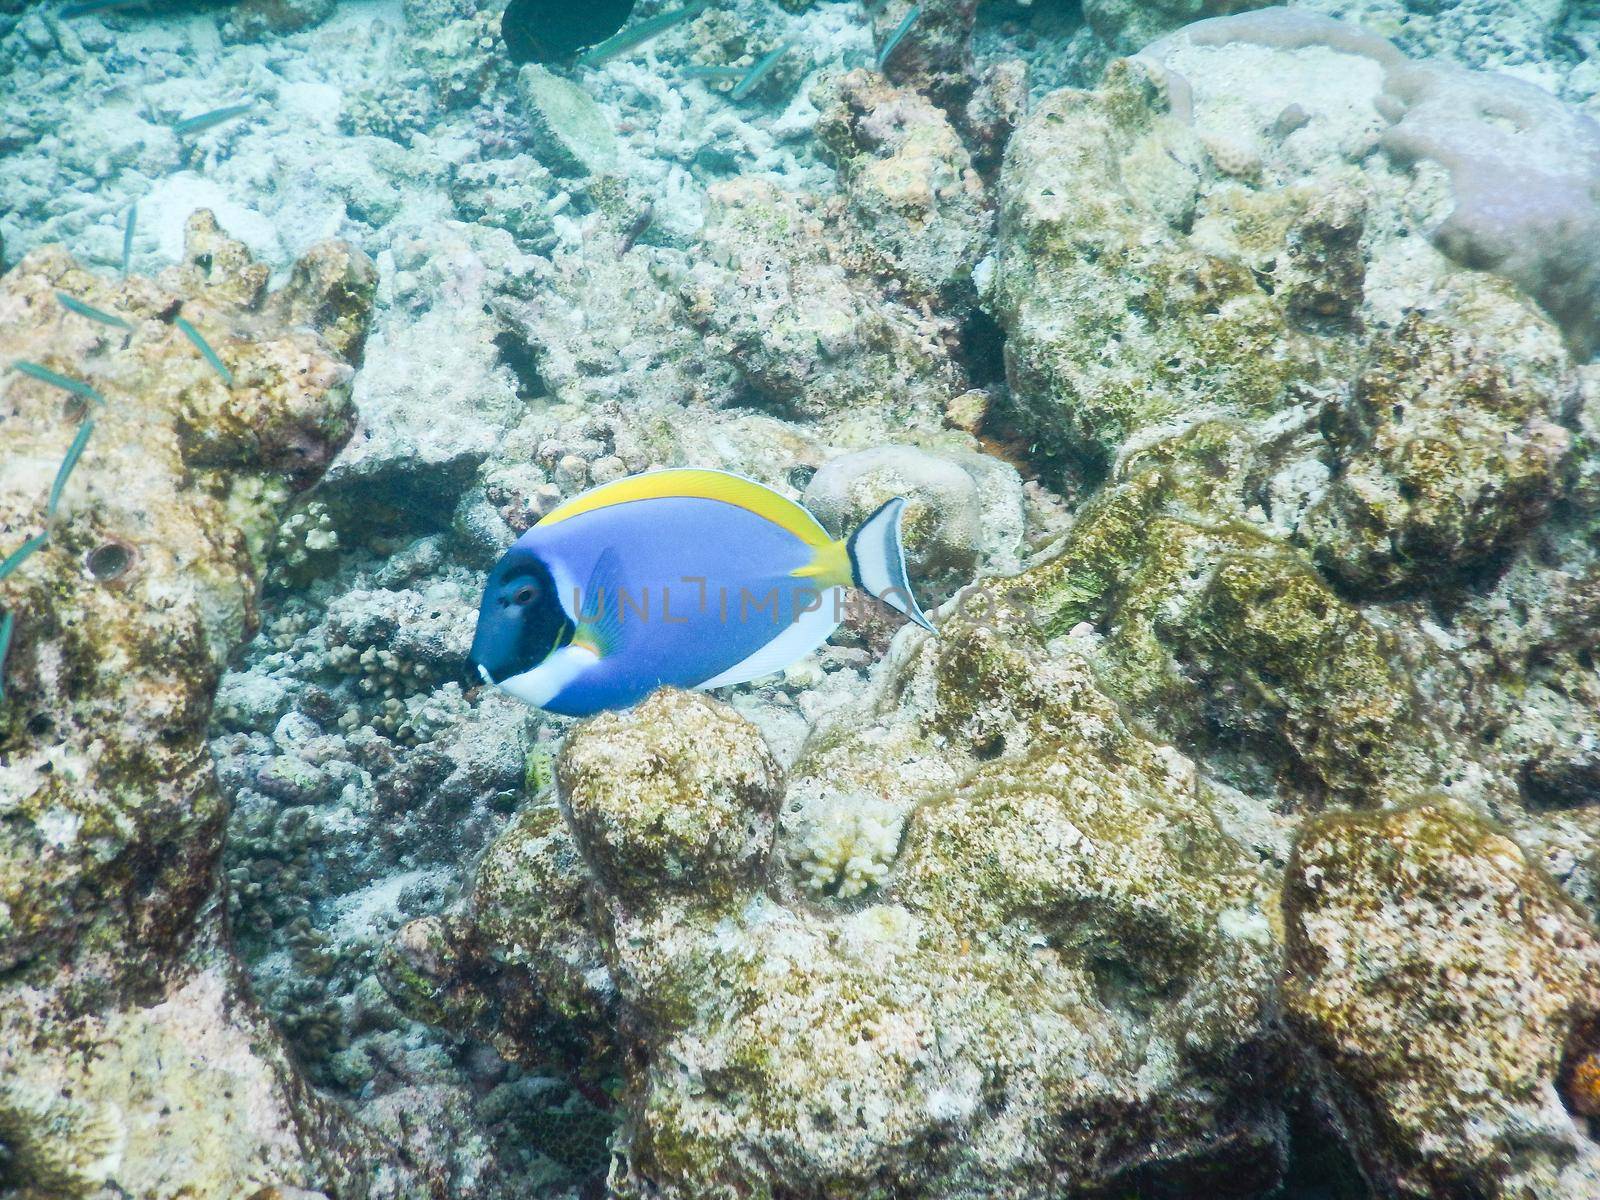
(702, 484)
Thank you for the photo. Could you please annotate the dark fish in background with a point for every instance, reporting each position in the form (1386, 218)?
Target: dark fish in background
(555, 30)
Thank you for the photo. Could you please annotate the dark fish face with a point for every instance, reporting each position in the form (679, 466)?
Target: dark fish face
(520, 621)
(554, 30)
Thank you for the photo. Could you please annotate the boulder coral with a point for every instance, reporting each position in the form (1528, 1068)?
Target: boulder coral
(1444, 982)
(969, 1019)
(130, 1055)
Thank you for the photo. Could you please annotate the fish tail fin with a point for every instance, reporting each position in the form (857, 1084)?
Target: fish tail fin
(878, 561)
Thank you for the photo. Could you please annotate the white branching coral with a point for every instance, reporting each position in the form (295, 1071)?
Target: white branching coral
(847, 844)
(306, 543)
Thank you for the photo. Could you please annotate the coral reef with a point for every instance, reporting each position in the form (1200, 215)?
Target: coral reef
(1316, 435)
(1237, 834)
(1443, 979)
(129, 1051)
(913, 1009)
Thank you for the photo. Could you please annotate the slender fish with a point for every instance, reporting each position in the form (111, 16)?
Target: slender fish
(73, 304)
(127, 238)
(64, 471)
(45, 375)
(6, 622)
(759, 71)
(83, 9)
(637, 228)
(206, 120)
(637, 35)
(900, 31)
(22, 553)
(716, 74)
(206, 352)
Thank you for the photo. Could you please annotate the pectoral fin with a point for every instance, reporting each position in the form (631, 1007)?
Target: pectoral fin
(599, 607)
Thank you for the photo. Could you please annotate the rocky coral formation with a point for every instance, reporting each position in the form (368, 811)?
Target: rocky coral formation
(1332, 555)
(1445, 981)
(1127, 25)
(808, 335)
(1304, 493)
(1445, 458)
(917, 210)
(933, 53)
(131, 1055)
(913, 1009)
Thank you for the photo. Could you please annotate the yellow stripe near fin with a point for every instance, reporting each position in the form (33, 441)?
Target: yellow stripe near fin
(701, 484)
(830, 567)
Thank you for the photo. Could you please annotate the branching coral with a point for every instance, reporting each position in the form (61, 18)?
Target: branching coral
(848, 846)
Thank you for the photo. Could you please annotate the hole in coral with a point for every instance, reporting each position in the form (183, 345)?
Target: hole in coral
(990, 748)
(516, 354)
(983, 345)
(1320, 1165)
(110, 561)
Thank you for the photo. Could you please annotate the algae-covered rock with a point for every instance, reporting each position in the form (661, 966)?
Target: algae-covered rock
(934, 54)
(1066, 914)
(811, 337)
(1447, 986)
(529, 918)
(1223, 635)
(125, 618)
(680, 793)
(128, 1050)
(1130, 24)
(1223, 315)
(1116, 321)
(570, 131)
(917, 209)
(1445, 455)
(254, 20)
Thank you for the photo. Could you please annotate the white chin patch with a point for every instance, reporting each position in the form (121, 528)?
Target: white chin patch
(551, 677)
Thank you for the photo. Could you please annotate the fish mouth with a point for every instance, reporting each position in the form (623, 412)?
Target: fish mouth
(487, 678)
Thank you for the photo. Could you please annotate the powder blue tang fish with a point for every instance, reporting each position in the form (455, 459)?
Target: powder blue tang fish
(688, 578)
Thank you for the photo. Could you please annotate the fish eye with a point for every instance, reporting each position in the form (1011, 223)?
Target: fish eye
(524, 594)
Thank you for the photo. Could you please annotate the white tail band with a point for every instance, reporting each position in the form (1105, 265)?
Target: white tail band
(878, 561)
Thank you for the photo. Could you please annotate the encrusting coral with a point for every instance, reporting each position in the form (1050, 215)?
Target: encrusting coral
(1444, 981)
(913, 1009)
(128, 1050)
(1050, 908)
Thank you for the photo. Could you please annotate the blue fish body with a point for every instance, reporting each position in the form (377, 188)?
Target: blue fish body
(682, 578)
